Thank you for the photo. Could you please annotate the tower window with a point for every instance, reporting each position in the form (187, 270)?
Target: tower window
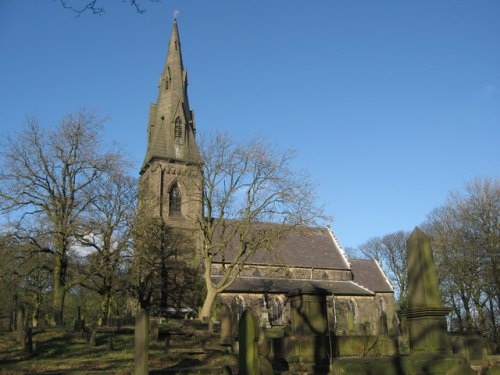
(178, 130)
(175, 200)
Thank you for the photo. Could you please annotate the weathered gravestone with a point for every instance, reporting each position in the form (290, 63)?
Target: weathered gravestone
(425, 316)
(430, 349)
(308, 339)
(155, 330)
(248, 335)
(141, 343)
(12, 317)
(226, 325)
(20, 324)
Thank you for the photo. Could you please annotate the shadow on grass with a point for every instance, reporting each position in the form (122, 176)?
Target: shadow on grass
(60, 351)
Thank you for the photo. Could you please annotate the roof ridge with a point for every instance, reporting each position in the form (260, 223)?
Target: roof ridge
(337, 244)
(383, 273)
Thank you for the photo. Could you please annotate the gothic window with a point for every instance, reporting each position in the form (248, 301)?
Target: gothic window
(178, 130)
(175, 201)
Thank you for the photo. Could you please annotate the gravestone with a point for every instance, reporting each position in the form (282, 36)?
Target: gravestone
(226, 325)
(248, 335)
(13, 318)
(425, 315)
(155, 330)
(20, 324)
(308, 339)
(141, 343)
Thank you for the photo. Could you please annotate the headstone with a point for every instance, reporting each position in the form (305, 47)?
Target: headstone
(425, 315)
(13, 318)
(155, 330)
(141, 343)
(20, 323)
(308, 339)
(264, 315)
(248, 335)
(226, 325)
(263, 342)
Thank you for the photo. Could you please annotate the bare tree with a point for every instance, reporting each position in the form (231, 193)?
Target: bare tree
(246, 187)
(466, 243)
(390, 252)
(47, 181)
(24, 272)
(105, 232)
(146, 261)
(95, 7)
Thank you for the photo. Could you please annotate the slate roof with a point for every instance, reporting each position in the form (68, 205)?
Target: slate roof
(369, 274)
(303, 247)
(245, 284)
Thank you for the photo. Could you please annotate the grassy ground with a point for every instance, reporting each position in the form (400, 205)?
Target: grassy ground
(61, 351)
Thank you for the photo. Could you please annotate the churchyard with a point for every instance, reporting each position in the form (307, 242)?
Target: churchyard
(111, 350)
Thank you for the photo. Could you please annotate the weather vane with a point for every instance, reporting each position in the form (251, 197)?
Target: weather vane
(176, 14)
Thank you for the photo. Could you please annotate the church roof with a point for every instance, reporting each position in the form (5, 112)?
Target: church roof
(300, 247)
(369, 274)
(245, 284)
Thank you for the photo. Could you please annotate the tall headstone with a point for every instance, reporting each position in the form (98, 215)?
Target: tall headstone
(20, 323)
(12, 322)
(226, 325)
(155, 330)
(425, 315)
(141, 344)
(248, 336)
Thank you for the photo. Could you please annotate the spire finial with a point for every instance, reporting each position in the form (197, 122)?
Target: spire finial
(176, 14)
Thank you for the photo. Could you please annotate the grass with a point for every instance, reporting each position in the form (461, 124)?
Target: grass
(62, 351)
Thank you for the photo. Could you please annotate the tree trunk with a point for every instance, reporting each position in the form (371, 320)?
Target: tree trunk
(35, 317)
(58, 303)
(104, 311)
(59, 292)
(207, 304)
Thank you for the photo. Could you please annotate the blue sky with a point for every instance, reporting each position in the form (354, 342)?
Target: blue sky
(391, 104)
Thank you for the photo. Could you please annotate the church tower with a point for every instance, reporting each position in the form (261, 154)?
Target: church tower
(170, 183)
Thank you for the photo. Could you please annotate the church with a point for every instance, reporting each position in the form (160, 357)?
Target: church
(360, 297)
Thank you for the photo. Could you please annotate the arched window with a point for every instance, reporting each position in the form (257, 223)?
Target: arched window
(175, 200)
(178, 130)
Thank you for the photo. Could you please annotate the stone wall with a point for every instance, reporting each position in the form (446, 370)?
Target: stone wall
(289, 272)
(347, 315)
(362, 315)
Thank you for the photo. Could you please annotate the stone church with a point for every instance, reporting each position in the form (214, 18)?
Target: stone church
(360, 297)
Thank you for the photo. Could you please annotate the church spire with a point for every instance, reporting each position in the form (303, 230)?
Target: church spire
(171, 127)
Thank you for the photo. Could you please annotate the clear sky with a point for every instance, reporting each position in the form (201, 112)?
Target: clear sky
(391, 104)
